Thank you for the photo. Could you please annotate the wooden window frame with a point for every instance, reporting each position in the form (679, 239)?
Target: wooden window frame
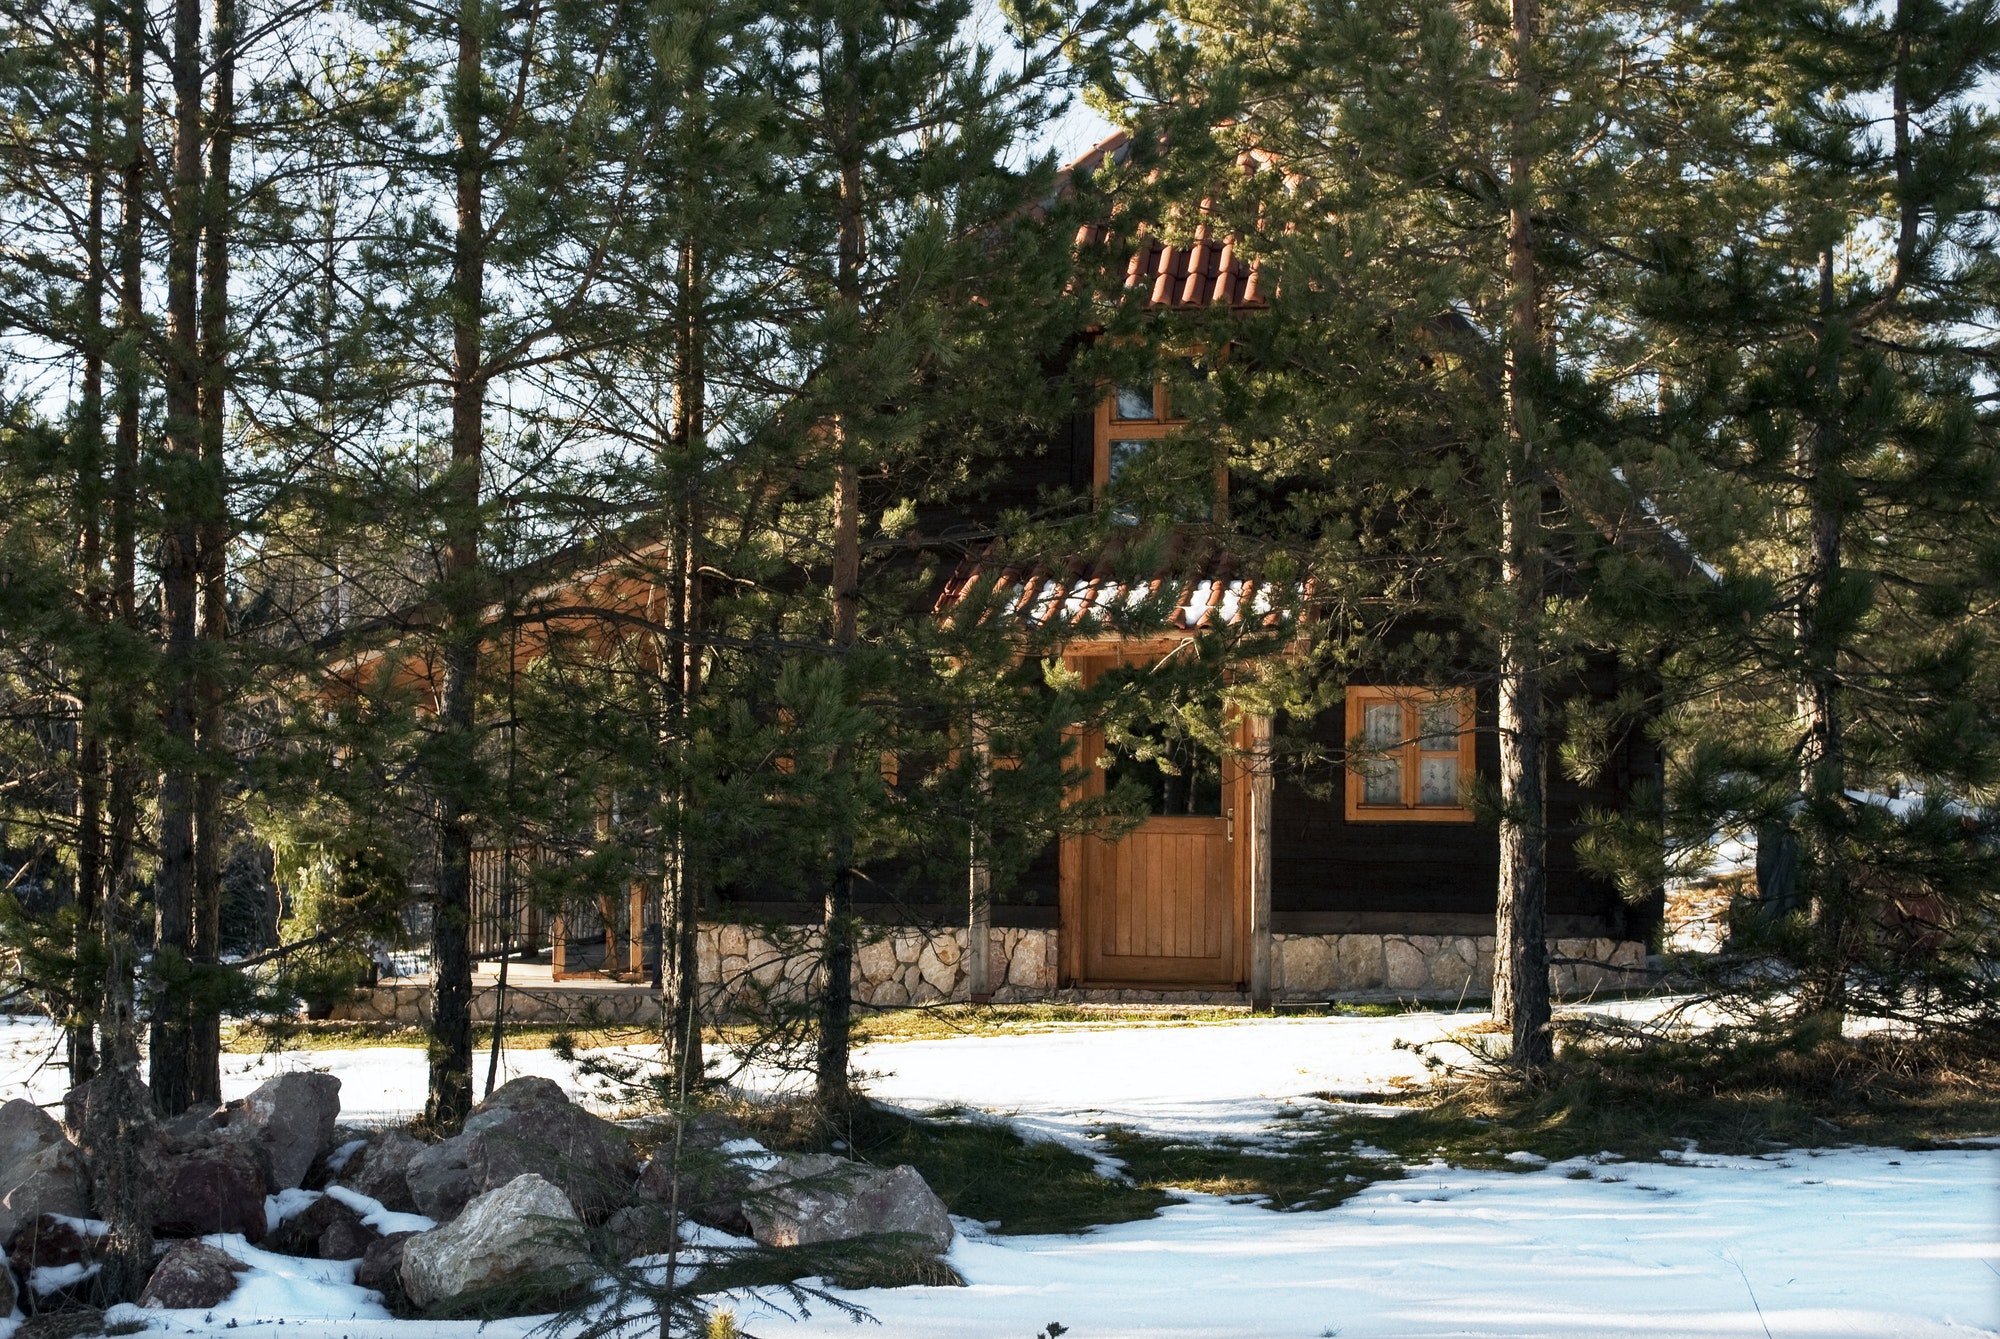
(1411, 751)
(1111, 428)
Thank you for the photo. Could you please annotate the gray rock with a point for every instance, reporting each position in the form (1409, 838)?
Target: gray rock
(522, 1234)
(526, 1091)
(24, 1129)
(219, 1188)
(51, 1242)
(558, 1141)
(40, 1170)
(819, 1197)
(382, 1265)
(191, 1275)
(380, 1169)
(713, 1184)
(291, 1117)
(325, 1230)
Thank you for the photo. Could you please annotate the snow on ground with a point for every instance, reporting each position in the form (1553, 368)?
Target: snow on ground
(1849, 1243)
(1871, 1243)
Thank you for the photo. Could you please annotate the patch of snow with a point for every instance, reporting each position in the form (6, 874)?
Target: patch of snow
(1469, 1253)
(374, 1215)
(1527, 1159)
(749, 1153)
(336, 1161)
(88, 1227)
(287, 1203)
(45, 1279)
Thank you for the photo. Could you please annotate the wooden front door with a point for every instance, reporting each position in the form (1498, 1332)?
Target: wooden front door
(1158, 906)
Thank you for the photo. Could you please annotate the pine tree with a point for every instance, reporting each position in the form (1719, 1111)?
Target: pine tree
(1429, 414)
(1827, 445)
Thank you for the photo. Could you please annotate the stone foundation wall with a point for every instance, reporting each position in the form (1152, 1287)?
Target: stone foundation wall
(743, 968)
(409, 1001)
(903, 966)
(1436, 966)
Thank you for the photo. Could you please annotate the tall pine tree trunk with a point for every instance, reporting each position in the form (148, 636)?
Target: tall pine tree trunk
(681, 889)
(1822, 752)
(90, 761)
(450, 1097)
(1521, 973)
(180, 571)
(117, 1115)
(205, 1043)
(837, 928)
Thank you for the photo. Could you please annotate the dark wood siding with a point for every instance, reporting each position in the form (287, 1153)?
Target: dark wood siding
(1330, 876)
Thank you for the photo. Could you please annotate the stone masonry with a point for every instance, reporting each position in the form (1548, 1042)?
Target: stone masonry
(742, 964)
(1436, 967)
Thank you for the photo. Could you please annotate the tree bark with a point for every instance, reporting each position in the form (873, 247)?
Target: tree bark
(205, 1044)
(1521, 972)
(90, 760)
(180, 568)
(680, 971)
(450, 1097)
(837, 927)
(117, 1119)
(1822, 748)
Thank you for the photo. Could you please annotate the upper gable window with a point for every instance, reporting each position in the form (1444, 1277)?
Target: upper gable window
(1138, 404)
(1411, 757)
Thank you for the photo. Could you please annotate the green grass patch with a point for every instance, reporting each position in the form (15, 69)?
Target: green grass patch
(1728, 1091)
(980, 1169)
(265, 1036)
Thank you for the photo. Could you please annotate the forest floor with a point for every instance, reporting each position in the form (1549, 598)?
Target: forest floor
(1296, 1177)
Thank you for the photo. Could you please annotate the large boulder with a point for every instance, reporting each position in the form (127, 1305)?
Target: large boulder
(291, 1118)
(380, 1169)
(526, 1091)
(536, 1130)
(820, 1198)
(40, 1170)
(325, 1230)
(216, 1188)
(192, 1275)
(382, 1264)
(714, 1180)
(524, 1236)
(52, 1241)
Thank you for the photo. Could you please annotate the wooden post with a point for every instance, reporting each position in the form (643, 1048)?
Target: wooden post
(609, 921)
(1261, 786)
(979, 888)
(558, 946)
(635, 939)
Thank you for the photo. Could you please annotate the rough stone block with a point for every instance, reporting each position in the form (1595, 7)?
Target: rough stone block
(939, 972)
(1451, 965)
(1404, 967)
(733, 941)
(1358, 962)
(1306, 964)
(875, 962)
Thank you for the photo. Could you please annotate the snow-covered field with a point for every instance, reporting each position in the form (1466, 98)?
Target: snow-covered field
(1856, 1242)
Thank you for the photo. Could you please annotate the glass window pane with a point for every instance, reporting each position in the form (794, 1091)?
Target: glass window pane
(1440, 728)
(1382, 781)
(1438, 781)
(1382, 724)
(1123, 453)
(1135, 402)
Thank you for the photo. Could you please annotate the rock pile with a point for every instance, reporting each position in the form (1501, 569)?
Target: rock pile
(511, 1199)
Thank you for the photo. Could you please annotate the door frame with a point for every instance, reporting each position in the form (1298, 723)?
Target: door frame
(1239, 788)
